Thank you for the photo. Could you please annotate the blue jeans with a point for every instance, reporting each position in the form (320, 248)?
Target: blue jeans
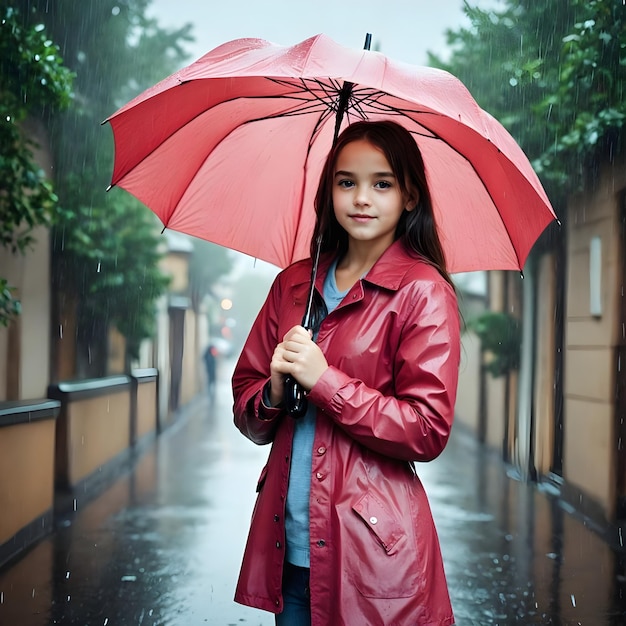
(296, 597)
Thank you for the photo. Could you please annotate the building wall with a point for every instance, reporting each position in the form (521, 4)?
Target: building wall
(589, 431)
(191, 362)
(25, 344)
(543, 401)
(468, 394)
(90, 433)
(26, 474)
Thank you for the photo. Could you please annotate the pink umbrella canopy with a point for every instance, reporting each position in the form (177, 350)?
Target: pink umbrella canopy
(230, 149)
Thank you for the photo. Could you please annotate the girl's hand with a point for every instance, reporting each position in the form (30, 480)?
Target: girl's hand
(299, 356)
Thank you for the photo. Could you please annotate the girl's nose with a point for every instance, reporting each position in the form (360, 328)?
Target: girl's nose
(361, 197)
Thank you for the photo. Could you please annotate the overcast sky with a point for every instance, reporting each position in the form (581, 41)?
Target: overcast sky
(402, 29)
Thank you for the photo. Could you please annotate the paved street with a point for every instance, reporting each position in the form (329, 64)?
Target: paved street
(162, 545)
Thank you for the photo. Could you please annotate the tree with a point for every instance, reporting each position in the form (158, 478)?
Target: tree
(587, 110)
(102, 256)
(32, 77)
(106, 250)
(557, 84)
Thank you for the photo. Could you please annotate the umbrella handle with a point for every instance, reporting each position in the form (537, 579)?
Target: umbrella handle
(296, 403)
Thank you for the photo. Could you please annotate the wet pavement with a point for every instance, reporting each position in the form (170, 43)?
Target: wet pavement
(162, 544)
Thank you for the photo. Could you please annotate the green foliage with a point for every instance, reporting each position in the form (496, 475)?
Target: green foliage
(102, 246)
(586, 110)
(32, 77)
(105, 251)
(500, 338)
(9, 306)
(556, 83)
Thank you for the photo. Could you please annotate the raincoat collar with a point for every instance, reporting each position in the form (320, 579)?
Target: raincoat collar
(388, 272)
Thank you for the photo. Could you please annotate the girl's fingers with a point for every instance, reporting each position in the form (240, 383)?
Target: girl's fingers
(299, 356)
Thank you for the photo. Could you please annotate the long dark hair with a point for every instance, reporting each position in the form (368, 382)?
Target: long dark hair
(416, 228)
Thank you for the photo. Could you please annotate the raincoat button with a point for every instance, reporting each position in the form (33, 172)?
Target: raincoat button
(278, 544)
(321, 450)
(373, 520)
(319, 475)
(276, 518)
(321, 543)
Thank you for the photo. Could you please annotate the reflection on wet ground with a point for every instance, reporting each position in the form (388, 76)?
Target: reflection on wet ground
(162, 545)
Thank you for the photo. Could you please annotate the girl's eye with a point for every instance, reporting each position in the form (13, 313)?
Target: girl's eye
(383, 184)
(345, 184)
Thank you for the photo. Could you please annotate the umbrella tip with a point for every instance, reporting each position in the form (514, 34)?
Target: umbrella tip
(109, 188)
(368, 41)
(521, 273)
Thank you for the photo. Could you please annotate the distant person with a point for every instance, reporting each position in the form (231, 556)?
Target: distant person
(342, 532)
(210, 364)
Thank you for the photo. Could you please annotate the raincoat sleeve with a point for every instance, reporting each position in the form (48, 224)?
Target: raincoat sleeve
(413, 424)
(252, 372)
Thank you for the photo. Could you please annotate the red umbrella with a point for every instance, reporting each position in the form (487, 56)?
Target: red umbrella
(230, 149)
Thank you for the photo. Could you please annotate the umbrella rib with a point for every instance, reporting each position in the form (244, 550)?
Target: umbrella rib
(330, 91)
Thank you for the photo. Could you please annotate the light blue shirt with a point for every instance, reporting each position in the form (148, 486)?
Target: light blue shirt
(298, 492)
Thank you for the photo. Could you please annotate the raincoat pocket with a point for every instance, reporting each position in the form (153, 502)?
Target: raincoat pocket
(380, 558)
(384, 527)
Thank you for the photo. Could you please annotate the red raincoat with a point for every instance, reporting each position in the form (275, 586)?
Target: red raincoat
(387, 399)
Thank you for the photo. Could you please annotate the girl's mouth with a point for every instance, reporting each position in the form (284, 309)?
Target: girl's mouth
(360, 217)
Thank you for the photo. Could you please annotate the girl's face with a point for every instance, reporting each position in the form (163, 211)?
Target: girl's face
(367, 198)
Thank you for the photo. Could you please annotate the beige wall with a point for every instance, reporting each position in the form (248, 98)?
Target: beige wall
(146, 408)
(589, 451)
(496, 411)
(544, 366)
(191, 361)
(176, 265)
(93, 432)
(27, 460)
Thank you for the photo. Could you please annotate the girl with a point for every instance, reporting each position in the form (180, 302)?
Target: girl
(342, 532)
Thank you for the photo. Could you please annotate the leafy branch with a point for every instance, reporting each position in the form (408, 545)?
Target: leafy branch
(32, 76)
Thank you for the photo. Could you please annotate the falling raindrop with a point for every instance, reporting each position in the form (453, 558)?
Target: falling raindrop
(60, 331)
(67, 575)
(74, 504)
(573, 600)
(98, 270)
